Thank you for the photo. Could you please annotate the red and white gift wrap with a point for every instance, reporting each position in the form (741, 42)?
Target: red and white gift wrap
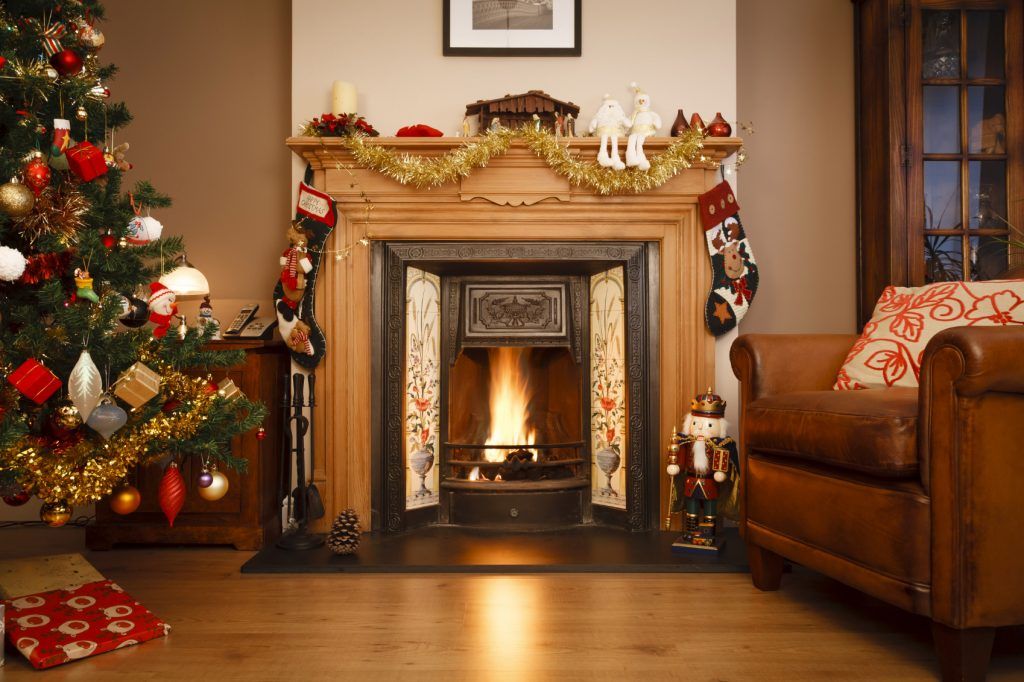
(51, 628)
(86, 161)
(35, 381)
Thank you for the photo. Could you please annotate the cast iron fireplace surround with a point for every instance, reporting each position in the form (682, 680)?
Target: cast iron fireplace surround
(507, 261)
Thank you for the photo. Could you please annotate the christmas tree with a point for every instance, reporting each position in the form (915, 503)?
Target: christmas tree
(90, 390)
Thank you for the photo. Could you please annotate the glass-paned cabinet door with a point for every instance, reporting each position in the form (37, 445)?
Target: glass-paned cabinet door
(964, 153)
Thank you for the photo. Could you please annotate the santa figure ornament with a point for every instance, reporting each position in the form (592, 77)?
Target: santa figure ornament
(609, 123)
(162, 308)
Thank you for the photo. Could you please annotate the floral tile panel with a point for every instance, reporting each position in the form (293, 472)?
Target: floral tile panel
(422, 387)
(608, 388)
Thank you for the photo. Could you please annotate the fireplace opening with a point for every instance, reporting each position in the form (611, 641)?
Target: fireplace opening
(516, 388)
(514, 420)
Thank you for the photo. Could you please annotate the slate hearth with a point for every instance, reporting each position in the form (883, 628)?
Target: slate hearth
(448, 549)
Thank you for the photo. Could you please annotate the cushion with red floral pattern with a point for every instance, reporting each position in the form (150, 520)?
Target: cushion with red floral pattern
(888, 352)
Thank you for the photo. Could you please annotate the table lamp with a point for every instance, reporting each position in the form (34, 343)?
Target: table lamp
(187, 282)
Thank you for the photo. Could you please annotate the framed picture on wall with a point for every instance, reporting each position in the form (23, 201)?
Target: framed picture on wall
(512, 28)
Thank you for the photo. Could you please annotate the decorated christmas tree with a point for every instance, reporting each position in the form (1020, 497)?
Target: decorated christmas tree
(97, 379)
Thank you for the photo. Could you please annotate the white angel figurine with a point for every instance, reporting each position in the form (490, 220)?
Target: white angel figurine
(643, 123)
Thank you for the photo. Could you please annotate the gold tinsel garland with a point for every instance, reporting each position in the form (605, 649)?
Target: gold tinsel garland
(427, 172)
(86, 472)
(58, 213)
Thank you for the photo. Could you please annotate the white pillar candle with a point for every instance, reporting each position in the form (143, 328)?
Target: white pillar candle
(343, 98)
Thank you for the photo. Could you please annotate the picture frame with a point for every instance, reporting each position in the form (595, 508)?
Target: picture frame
(513, 28)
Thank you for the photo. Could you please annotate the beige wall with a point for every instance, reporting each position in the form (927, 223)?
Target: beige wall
(209, 86)
(795, 82)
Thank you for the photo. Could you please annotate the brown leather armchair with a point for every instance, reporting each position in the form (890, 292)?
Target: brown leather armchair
(914, 496)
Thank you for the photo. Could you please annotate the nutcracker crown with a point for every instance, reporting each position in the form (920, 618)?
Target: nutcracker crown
(708, 404)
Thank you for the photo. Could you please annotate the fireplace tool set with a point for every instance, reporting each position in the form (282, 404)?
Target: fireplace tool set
(303, 498)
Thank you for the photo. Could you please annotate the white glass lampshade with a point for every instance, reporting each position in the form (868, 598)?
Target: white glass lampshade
(186, 280)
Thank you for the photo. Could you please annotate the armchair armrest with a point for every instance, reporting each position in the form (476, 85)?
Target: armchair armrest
(768, 364)
(971, 428)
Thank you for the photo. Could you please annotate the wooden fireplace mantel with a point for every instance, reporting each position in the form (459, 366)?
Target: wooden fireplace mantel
(515, 197)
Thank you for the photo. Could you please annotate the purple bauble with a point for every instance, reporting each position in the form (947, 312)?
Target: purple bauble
(205, 479)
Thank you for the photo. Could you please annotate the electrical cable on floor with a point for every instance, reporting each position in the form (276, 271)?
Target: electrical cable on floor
(79, 522)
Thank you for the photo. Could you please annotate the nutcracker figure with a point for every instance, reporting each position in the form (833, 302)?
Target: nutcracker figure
(709, 459)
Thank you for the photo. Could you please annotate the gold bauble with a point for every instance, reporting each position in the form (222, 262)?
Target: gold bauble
(55, 514)
(125, 499)
(81, 113)
(217, 489)
(16, 200)
(66, 417)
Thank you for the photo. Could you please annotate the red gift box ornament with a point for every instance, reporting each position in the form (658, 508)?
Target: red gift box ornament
(86, 161)
(35, 381)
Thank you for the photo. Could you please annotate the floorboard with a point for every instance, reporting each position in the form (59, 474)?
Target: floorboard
(230, 626)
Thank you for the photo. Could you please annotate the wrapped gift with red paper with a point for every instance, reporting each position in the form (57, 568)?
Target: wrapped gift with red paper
(86, 161)
(35, 381)
(51, 628)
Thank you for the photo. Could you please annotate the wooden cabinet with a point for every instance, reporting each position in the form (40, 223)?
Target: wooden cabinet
(940, 140)
(249, 515)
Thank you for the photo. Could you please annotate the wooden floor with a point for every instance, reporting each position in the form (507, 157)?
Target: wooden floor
(490, 627)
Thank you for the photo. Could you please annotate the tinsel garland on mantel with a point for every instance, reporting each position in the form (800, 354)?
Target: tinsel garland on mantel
(425, 172)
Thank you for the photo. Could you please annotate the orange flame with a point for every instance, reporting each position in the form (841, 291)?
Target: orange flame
(510, 402)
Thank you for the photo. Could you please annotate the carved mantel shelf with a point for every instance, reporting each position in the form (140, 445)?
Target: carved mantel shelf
(501, 181)
(481, 207)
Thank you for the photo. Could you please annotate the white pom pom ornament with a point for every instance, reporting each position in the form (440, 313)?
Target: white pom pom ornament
(12, 264)
(143, 230)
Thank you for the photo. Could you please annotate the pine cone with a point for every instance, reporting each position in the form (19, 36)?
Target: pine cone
(344, 535)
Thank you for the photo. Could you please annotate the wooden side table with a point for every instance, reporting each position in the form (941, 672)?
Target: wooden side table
(249, 515)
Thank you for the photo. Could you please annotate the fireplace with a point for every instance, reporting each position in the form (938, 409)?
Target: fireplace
(521, 375)
(420, 239)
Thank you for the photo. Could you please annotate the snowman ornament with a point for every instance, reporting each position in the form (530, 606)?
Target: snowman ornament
(642, 124)
(609, 123)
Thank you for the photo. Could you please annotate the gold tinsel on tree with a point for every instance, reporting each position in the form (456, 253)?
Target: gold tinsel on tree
(58, 212)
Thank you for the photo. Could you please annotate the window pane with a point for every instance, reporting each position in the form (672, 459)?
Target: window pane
(940, 41)
(987, 194)
(941, 195)
(986, 118)
(989, 257)
(985, 53)
(941, 119)
(943, 260)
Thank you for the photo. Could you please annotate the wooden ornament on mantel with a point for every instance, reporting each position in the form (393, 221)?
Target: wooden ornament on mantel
(513, 111)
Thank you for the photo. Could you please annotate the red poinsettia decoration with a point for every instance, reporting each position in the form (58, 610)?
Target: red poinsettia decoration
(340, 125)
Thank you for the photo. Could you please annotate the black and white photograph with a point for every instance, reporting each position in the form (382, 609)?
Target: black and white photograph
(521, 15)
(510, 28)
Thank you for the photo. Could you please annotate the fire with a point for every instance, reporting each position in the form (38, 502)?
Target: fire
(510, 402)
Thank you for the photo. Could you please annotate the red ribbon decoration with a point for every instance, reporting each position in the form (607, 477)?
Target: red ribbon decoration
(50, 34)
(740, 288)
